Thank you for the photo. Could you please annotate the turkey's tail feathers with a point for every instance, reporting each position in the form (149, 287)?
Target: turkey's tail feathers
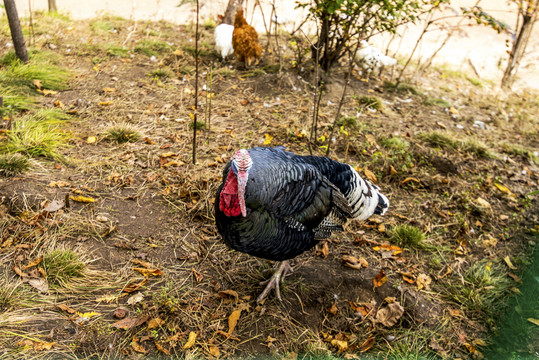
(383, 204)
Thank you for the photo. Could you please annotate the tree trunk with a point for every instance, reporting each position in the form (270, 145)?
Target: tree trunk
(231, 10)
(16, 31)
(52, 5)
(519, 46)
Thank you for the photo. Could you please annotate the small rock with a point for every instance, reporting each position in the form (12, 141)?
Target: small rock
(119, 313)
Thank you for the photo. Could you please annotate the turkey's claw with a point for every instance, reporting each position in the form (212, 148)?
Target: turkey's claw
(275, 281)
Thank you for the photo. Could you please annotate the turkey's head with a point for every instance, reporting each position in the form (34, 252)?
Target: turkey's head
(232, 197)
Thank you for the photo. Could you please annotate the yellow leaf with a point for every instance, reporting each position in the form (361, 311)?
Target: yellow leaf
(340, 344)
(37, 83)
(453, 111)
(178, 52)
(59, 104)
(104, 103)
(33, 263)
(504, 189)
(370, 176)
(509, 263)
(87, 315)
(214, 351)
(233, 321)
(148, 272)
(268, 139)
(191, 341)
(82, 199)
(423, 282)
(47, 92)
(321, 138)
(91, 139)
(109, 90)
(534, 321)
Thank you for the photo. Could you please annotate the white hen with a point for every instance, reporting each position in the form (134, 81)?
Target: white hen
(371, 58)
(223, 40)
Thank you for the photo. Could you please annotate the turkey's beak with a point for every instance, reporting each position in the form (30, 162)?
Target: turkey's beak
(242, 177)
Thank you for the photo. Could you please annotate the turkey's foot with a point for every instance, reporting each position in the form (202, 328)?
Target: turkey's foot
(275, 281)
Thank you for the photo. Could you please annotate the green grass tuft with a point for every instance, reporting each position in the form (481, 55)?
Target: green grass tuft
(153, 47)
(439, 139)
(475, 147)
(123, 132)
(37, 134)
(436, 102)
(517, 150)
(161, 73)
(12, 295)
(407, 235)
(116, 51)
(482, 287)
(62, 265)
(394, 143)
(373, 102)
(42, 66)
(13, 164)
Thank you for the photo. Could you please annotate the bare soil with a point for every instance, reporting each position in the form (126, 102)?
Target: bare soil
(153, 205)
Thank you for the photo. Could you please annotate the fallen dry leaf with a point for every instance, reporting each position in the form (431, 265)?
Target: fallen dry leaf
(198, 276)
(534, 321)
(132, 287)
(149, 272)
(129, 323)
(227, 293)
(54, 206)
(341, 345)
(155, 323)
(380, 279)
(159, 347)
(509, 263)
(367, 344)
(370, 176)
(18, 271)
(82, 199)
(137, 346)
(135, 299)
(191, 340)
(423, 282)
(410, 179)
(66, 308)
(333, 310)
(214, 351)
(354, 263)
(390, 314)
(33, 263)
(267, 139)
(91, 139)
(233, 321)
(323, 250)
(40, 284)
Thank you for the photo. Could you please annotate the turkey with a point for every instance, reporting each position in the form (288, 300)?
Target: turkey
(275, 205)
(372, 59)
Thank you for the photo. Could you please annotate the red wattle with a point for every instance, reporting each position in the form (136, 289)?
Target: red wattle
(228, 199)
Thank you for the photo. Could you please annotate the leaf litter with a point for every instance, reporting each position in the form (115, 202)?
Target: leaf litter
(474, 214)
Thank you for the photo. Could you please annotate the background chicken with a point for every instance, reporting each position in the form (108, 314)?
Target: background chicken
(223, 40)
(245, 41)
(372, 59)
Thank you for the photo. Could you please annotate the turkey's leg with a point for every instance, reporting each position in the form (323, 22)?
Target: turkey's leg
(275, 281)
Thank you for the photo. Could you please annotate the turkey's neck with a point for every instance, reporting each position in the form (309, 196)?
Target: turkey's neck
(229, 202)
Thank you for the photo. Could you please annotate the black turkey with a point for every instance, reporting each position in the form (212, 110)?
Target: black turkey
(275, 205)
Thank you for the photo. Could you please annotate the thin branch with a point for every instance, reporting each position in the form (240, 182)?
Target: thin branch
(196, 92)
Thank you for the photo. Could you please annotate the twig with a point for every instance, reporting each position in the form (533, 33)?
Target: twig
(196, 92)
(341, 102)
(130, 33)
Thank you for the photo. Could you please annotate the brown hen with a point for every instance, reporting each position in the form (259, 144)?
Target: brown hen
(245, 41)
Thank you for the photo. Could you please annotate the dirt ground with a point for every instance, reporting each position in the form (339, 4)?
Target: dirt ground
(153, 208)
